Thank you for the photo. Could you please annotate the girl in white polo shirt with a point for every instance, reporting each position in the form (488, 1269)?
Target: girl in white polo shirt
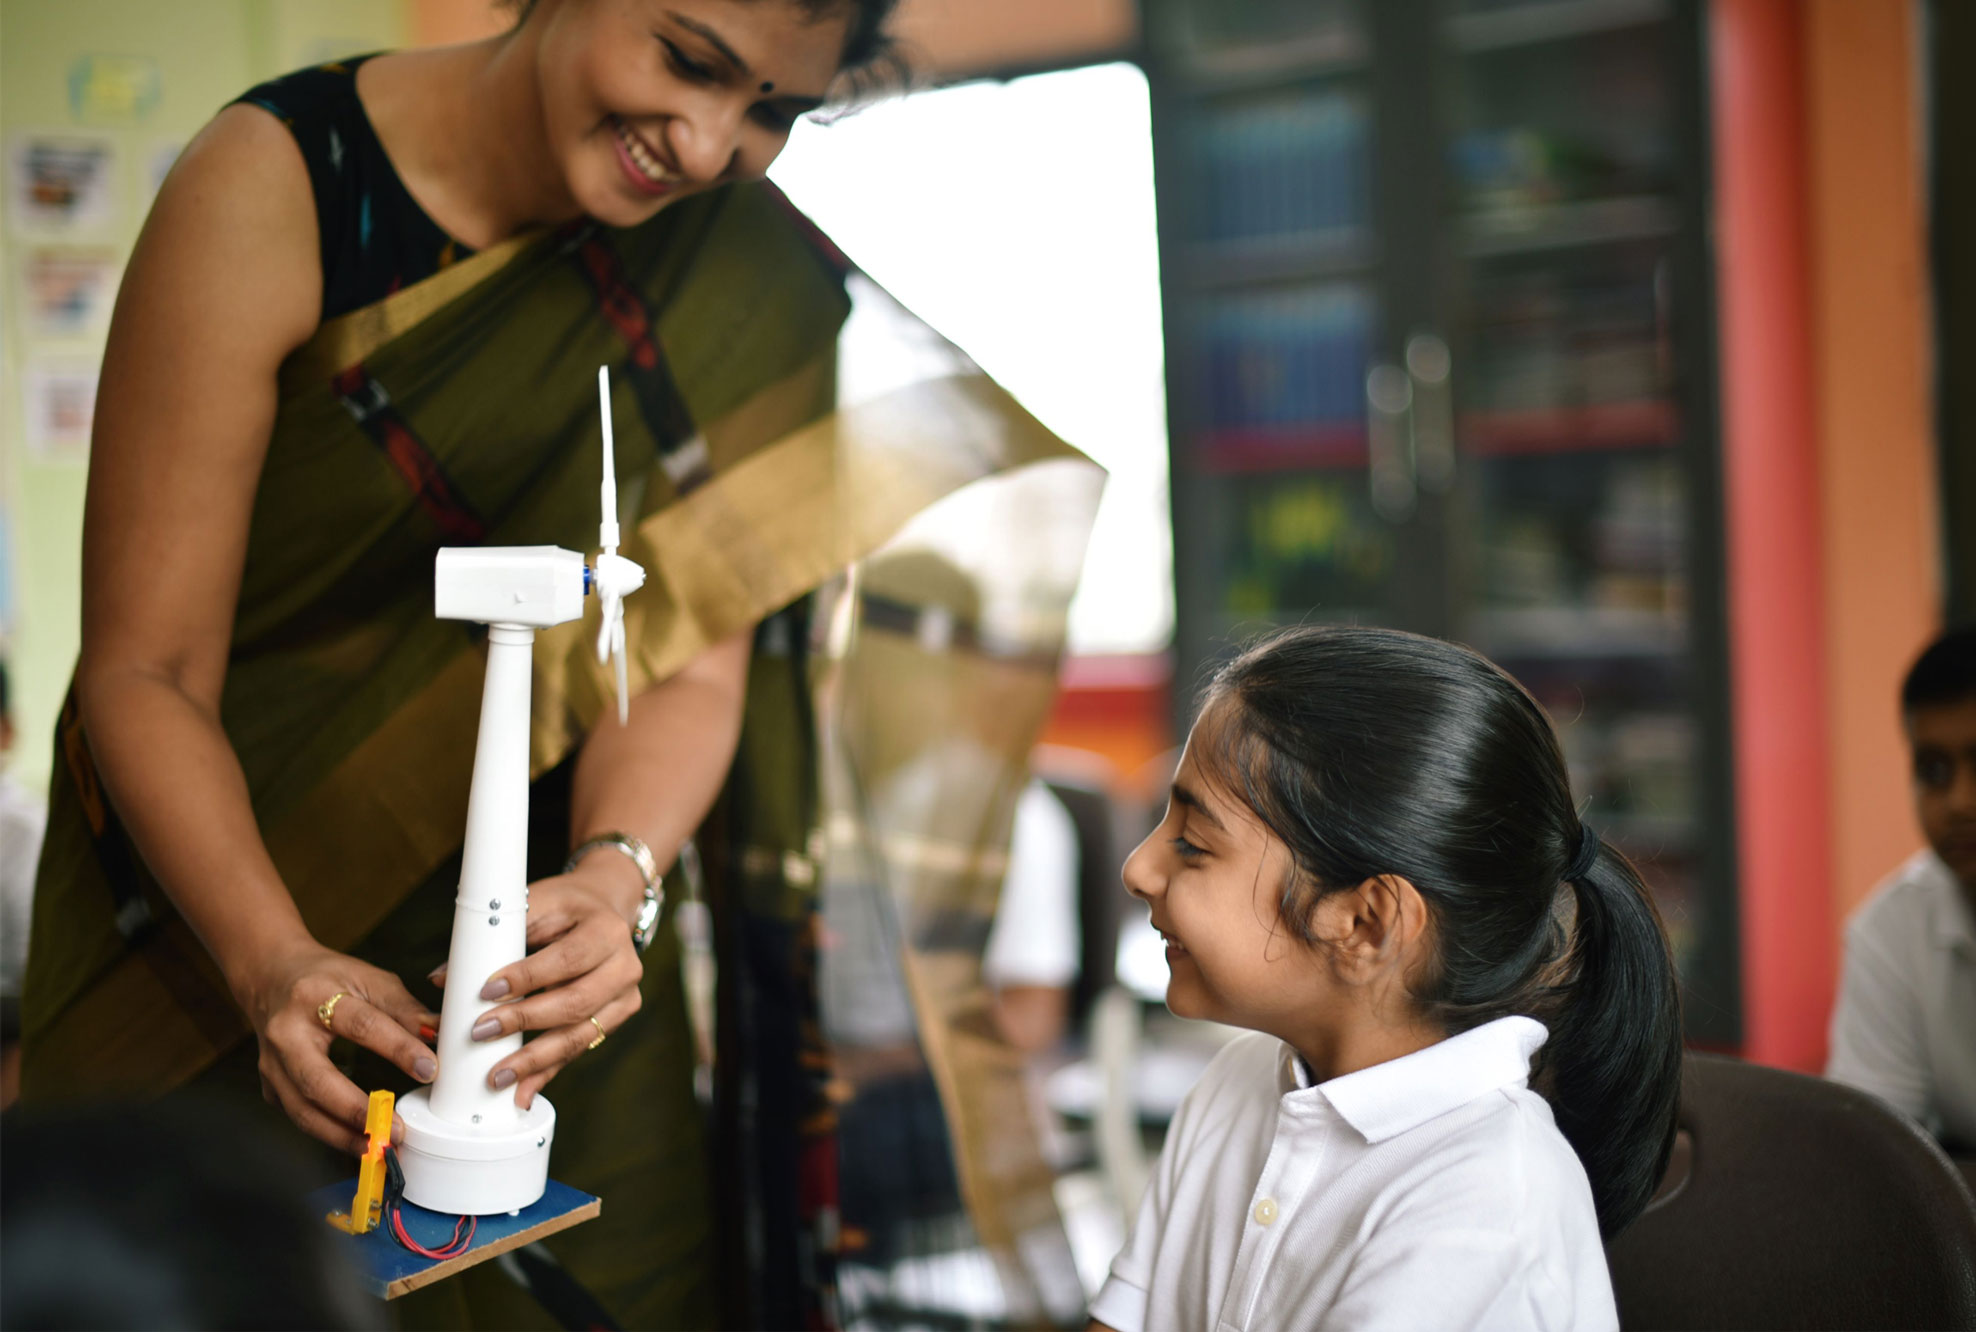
(1466, 1044)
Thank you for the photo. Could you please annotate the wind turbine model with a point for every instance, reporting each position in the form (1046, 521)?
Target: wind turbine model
(469, 1149)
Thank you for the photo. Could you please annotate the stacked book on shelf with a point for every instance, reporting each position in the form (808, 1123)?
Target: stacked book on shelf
(1283, 368)
(1284, 167)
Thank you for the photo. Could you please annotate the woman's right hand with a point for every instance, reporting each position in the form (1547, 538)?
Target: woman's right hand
(283, 999)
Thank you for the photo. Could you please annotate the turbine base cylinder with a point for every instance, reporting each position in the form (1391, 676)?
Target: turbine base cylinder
(461, 1171)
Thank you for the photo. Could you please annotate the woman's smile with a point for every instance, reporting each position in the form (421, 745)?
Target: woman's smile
(643, 168)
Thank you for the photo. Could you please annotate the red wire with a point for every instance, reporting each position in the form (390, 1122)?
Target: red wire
(463, 1226)
(458, 1245)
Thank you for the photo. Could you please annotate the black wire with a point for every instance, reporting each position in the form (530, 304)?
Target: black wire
(394, 1193)
(394, 1177)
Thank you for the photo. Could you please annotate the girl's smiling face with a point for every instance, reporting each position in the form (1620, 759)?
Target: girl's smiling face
(646, 101)
(1213, 876)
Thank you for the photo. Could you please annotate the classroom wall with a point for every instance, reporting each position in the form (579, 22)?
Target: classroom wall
(191, 57)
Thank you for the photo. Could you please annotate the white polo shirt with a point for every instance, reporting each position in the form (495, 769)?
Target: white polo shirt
(1431, 1191)
(1905, 1025)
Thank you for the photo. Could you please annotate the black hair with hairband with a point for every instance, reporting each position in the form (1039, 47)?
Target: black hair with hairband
(1588, 855)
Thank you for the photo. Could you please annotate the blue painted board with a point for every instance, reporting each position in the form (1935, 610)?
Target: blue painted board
(388, 1269)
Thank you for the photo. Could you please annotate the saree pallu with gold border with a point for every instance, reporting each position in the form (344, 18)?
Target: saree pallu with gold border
(460, 412)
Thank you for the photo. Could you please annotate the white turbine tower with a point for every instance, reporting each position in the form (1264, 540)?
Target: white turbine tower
(469, 1150)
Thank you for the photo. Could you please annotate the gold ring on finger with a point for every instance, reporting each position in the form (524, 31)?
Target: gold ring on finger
(327, 1010)
(600, 1034)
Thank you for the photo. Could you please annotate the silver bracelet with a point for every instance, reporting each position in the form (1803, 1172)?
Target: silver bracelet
(647, 922)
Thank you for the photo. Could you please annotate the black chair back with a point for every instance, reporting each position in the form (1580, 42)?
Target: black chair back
(1806, 1205)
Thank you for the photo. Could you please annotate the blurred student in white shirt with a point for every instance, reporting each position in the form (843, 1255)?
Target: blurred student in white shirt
(1465, 1044)
(1031, 959)
(1905, 1025)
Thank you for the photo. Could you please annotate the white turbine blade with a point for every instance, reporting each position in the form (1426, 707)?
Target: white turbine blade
(623, 683)
(607, 529)
(613, 613)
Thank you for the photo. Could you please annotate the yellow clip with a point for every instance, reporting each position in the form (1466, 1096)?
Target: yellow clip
(368, 1206)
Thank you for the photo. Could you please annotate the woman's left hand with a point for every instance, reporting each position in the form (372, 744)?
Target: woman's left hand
(581, 965)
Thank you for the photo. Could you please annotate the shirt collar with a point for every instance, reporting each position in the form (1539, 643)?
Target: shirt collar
(1388, 1099)
(1953, 915)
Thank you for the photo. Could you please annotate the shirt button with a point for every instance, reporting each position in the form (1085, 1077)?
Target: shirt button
(1265, 1211)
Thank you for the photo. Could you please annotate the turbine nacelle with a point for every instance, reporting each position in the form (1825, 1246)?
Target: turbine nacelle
(531, 586)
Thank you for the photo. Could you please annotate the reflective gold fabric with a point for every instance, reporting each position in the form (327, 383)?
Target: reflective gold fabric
(944, 677)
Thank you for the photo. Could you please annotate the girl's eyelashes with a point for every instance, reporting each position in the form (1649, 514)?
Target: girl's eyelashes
(1185, 849)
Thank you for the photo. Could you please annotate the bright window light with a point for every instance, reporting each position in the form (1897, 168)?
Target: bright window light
(1017, 218)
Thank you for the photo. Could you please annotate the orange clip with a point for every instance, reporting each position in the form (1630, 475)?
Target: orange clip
(368, 1206)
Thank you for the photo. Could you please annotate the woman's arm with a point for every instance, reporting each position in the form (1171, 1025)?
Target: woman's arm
(223, 284)
(655, 778)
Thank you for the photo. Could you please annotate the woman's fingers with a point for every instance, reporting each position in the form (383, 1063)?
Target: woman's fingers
(562, 1005)
(387, 992)
(593, 946)
(545, 1056)
(359, 1020)
(545, 925)
(559, 907)
(529, 1089)
(319, 1100)
(324, 1129)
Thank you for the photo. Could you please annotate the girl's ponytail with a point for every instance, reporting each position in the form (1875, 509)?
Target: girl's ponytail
(1614, 1057)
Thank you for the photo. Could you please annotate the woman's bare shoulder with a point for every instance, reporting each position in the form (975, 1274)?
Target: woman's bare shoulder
(244, 145)
(231, 238)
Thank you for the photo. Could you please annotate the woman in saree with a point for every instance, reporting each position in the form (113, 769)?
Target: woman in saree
(360, 324)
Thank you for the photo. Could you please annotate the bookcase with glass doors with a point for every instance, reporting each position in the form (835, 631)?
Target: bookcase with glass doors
(1440, 356)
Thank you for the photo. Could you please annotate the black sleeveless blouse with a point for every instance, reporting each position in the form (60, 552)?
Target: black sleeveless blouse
(375, 237)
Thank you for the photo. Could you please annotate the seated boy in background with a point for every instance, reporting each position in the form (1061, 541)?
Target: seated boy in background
(1905, 1025)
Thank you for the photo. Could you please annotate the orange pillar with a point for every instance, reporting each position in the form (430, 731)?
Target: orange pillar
(1876, 428)
(1771, 502)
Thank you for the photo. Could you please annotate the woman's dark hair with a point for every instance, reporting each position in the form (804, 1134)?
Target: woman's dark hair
(1371, 752)
(871, 62)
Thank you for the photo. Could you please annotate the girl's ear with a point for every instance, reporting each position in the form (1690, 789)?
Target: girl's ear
(1371, 927)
